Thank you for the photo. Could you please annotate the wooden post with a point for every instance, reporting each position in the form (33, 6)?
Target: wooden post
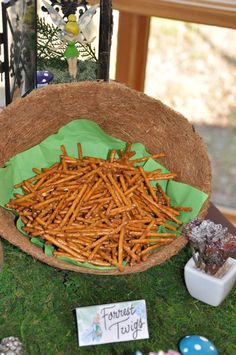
(132, 49)
(105, 33)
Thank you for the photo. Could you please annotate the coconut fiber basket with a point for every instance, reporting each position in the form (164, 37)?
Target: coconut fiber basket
(1, 256)
(120, 112)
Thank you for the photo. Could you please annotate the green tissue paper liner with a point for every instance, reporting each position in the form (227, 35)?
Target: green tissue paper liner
(96, 143)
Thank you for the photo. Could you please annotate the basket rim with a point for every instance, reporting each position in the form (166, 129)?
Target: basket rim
(7, 226)
(1, 255)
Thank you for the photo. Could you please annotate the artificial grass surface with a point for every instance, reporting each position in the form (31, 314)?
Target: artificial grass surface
(87, 70)
(37, 304)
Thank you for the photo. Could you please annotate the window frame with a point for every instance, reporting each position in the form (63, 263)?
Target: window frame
(209, 12)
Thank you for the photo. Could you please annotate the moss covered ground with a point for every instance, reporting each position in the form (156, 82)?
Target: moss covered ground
(37, 304)
(87, 70)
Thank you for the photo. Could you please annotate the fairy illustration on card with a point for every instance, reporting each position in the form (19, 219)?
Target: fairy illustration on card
(94, 332)
(73, 31)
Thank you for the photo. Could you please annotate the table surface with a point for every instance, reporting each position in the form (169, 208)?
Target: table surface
(216, 216)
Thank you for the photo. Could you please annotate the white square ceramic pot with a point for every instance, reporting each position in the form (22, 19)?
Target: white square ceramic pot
(207, 288)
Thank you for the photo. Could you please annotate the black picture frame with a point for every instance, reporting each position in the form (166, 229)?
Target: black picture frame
(105, 36)
(14, 66)
(19, 41)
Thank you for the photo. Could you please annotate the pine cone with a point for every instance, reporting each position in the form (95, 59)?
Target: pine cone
(11, 346)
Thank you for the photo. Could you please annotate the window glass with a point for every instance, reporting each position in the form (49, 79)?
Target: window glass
(192, 68)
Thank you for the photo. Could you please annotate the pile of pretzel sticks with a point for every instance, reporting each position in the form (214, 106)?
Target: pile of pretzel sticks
(103, 212)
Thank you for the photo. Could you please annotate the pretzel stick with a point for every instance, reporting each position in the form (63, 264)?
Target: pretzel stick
(120, 247)
(98, 242)
(63, 149)
(80, 153)
(148, 183)
(39, 175)
(112, 155)
(95, 250)
(60, 245)
(150, 241)
(116, 200)
(155, 156)
(111, 260)
(131, 253)
(56, 211)
(71, 210)
(144, 234)
(93, 189)
(186, 209)
(75, 209)
(128, 148)
(162, 176)
(120, 210)
(123, 184)
(144, 253)
(119, 191)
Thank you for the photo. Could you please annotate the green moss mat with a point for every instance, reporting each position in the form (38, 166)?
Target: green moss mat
(87, 70)
(37, 304)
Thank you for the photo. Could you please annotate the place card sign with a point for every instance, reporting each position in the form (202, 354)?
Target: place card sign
(110, 323)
